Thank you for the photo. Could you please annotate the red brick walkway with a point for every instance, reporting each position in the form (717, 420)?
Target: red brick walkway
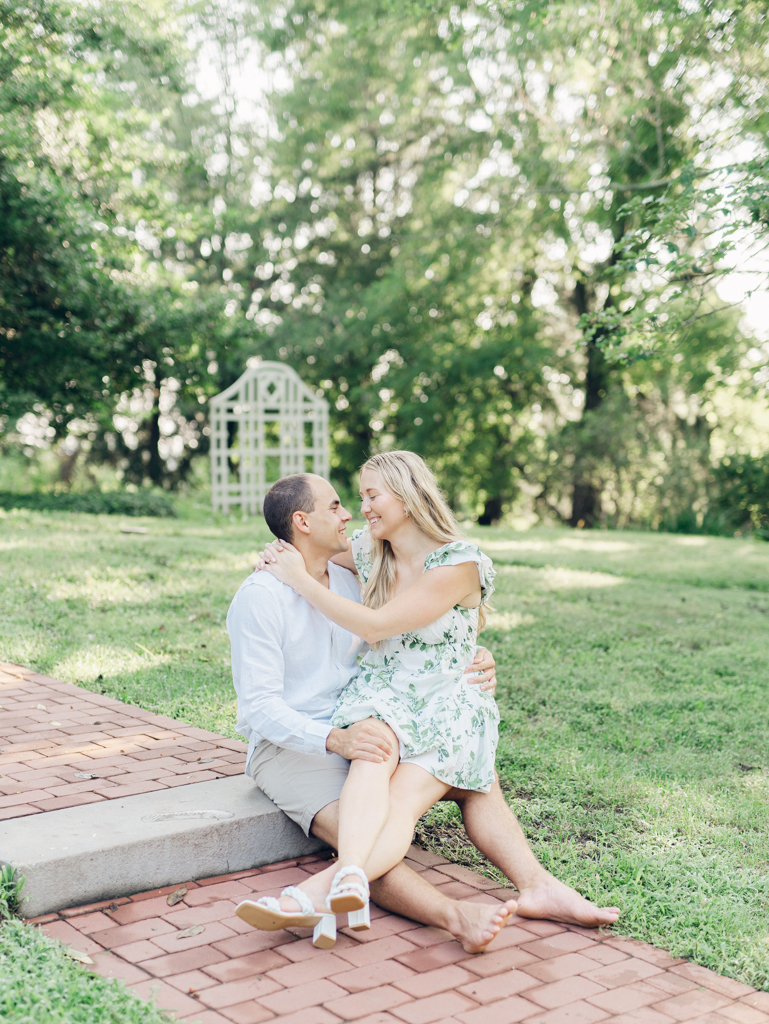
(397, 973)
(52, 734)
(197, 959)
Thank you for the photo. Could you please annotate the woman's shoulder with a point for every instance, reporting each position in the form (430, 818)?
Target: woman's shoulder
(453, 553)
(458, 551)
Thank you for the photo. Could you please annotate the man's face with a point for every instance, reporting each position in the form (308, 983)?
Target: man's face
(328, 520)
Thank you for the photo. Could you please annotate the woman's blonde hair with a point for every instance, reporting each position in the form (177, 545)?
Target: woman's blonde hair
(409, 479)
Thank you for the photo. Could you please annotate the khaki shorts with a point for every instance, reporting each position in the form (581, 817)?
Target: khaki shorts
(300, 784)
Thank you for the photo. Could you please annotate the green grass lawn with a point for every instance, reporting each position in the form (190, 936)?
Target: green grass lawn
(41, 985)
(633, 675)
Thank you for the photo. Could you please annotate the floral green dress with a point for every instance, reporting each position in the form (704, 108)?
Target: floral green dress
(416, 683)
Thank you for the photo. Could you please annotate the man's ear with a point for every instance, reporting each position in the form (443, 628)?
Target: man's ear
(300, 523)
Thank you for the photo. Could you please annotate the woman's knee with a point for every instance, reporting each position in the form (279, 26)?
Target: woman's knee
(414, 790)
(384, 730)
(362, 769)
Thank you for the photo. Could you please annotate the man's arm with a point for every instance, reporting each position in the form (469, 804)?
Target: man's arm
(255, 626)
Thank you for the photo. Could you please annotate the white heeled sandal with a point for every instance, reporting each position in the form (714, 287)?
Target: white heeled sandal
(352, 897)
(267, 915)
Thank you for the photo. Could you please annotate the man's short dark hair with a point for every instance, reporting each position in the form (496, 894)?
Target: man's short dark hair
(289, 495)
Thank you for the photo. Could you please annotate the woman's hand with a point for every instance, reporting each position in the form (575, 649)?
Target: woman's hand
(269, 554)
(285, 562)
(483, 671)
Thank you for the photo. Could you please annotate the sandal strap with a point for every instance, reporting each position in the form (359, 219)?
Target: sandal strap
(269, 903)
(349, 887)
(338, 885)
(304, 901)
(352, 870)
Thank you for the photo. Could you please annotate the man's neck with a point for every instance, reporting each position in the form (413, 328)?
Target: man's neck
(315, 561)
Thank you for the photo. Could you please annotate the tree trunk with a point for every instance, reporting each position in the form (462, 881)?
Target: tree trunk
(67, 464)
(586, 497)
(155, 467)
(492, 512)
(585, 504)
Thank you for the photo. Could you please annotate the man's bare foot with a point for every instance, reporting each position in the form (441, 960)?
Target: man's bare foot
(477, 924)
(553, 901)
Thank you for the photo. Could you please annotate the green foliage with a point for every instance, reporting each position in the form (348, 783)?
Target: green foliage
(461, 258)
(91, 157)
(673, 238)
(113, 503)
(66, 306)
(492, 234)
(11, 885)
(39, 982)
(742, 483)
(738, 502)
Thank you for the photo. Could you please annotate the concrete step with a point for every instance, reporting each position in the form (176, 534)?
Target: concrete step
(113, 848)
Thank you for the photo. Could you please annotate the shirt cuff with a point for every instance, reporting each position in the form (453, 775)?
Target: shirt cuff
(317, 734)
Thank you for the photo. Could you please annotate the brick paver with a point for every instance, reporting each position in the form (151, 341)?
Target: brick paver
(53, 733)
(535, 972)
(219, 976)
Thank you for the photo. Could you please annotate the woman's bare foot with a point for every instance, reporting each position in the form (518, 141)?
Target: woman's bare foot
(477, 924)
(553, 901)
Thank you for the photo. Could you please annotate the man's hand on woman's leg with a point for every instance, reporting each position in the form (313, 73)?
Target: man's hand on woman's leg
(494, 830)
(482, 670)
(369, 740)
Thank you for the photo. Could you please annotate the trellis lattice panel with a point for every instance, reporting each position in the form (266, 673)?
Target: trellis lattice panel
(265, 426)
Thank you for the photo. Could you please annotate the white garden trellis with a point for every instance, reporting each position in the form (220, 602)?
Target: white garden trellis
(265, 426)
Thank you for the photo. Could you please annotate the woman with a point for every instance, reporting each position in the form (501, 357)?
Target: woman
(424, 586)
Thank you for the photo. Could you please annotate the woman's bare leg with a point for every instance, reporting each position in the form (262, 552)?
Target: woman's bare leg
(364, 806)
(412, 792)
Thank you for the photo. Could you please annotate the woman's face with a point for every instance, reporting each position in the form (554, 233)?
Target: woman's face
(384, 512)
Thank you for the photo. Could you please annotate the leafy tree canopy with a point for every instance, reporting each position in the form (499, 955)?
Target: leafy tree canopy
(493, 233)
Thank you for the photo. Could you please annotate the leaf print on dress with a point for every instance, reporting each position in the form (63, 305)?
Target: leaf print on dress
(415, 682)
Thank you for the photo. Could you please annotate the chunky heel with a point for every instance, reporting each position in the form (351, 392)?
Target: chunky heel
(359, 920)
(324, 935)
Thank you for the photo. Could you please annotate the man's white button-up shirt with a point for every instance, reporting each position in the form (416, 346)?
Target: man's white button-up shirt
(289, 662)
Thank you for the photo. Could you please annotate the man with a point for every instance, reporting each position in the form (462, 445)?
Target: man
(289, 665)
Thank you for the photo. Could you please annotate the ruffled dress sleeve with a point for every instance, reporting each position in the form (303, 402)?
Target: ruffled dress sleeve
(459, 551)
(361, 553)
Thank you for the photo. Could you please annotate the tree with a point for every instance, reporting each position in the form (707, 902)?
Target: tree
(508, 139)
(95, 293)
(67, 307)
(492, 233)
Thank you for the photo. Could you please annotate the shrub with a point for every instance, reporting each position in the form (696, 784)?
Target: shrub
(115, 503)
(742, 493)
(739, 501)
